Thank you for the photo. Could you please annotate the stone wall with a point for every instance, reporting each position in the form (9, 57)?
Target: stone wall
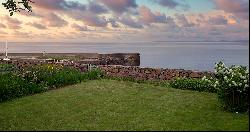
(120, 59)
(125, 59)
(123, 71)
(151, 73)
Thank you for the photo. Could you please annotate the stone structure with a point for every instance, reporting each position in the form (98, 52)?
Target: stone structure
(121, 71)
(151, 73)
(125, 59)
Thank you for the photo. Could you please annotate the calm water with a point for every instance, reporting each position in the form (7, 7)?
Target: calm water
(186, 55)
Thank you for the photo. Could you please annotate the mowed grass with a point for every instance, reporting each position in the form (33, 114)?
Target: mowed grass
(118, 105)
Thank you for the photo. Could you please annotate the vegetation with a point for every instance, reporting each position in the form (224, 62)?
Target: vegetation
(37, 79)
(232, 84)
(16, 6)
(72, 58)
(131, 79)
(119, 105)
(6, 68)
(193, 84)
(12, 86)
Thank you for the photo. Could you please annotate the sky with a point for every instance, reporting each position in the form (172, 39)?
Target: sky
(127, 21)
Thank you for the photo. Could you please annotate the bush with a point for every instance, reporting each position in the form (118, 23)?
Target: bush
(192, 84)
(37, 79)
(53, 76)
(12, 86)
(6, 68)
(93, 74)
(132, 79)
(232, 84)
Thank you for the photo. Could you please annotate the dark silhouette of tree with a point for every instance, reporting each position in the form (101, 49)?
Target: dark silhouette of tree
(16, 6)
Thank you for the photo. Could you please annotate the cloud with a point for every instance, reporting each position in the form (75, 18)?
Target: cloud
(167, 3)
(12, 23)
(22, 34)
(59, 5)
(2, 25)
(53, 20)
(120, 6)
(183, 21)
(147, 17)
(128, 21)
(113, 23)
(172, 4)
(95, 21)
(239, 8)
(218, 20)
(79, 28)
(37, 25)
(96, 8)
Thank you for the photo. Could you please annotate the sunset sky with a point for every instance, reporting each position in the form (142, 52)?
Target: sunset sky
(128, 21)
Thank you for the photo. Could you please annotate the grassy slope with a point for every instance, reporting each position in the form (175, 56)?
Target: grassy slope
(118, 105)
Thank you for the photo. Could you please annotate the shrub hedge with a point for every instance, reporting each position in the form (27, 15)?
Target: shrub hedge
(192, 84)
(37, 79)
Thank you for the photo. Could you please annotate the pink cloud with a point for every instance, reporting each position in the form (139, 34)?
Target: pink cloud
(53, 20)
(239, 8)
(12, 23)
(148, 17)
(119, 6)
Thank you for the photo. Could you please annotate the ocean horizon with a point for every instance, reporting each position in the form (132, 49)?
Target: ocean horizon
(190, 55)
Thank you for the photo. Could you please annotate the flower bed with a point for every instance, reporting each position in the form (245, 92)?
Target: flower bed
(39, 78)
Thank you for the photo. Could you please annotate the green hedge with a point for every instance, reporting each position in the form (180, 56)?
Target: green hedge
(12, 86)
(6, 68)
(192, 84)
(37, 79)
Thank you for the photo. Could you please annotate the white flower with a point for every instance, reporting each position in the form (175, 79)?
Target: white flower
(230, 85)
(242, 77)
(204, 78)
(240, 74)
(240, 84)
(245, 81)
(230, 70)
(246, 85)
(234, 83)
(225, 77)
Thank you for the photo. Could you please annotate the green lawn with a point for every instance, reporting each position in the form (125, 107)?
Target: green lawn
(118, 105)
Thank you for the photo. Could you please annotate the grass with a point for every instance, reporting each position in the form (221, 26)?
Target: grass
(119, 105)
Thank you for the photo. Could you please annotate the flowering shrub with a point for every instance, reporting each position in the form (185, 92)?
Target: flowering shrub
(232, 84)
(52, 76)
(12, 86)
(37, 79)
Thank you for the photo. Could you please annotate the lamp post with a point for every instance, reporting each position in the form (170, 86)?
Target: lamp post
(6, 52)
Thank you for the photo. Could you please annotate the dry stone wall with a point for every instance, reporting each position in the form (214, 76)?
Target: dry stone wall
(123, 71)
(151, 73)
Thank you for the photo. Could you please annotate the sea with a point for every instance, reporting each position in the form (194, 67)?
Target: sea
(199, 56)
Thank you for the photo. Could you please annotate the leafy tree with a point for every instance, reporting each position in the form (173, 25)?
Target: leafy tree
(16, 6)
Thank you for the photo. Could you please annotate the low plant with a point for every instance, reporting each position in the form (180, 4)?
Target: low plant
(6, 68)
(93, 74)
(132, 79)
(193, 84)
(12, 86)
(232, 84)
(40, 78)
(52, 75)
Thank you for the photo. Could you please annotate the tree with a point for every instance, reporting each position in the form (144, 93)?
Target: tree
(13, 6)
